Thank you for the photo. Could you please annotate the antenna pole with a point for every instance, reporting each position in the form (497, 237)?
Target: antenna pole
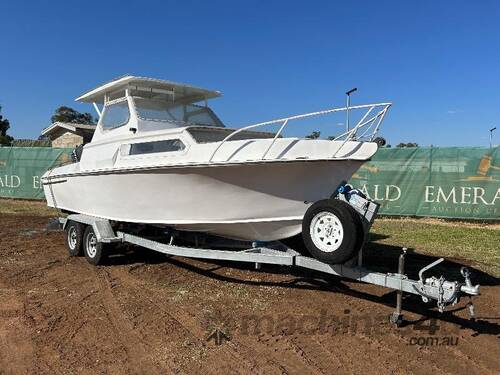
(348, 104)
(491, 136)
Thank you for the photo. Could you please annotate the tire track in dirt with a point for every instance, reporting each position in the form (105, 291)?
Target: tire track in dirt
(484, 364)
(350, 317)
(298, 359)
(267, 358)
(382, 344)
(232, 352)
(396, 341)
(16, 345)
(389, 346)
(134, 346)
(289, 358)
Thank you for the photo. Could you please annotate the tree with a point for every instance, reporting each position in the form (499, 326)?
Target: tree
(313, 135)
(409, 144)
(68, 114)
(5, 139)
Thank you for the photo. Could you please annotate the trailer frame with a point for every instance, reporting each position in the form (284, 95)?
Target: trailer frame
(438, 289)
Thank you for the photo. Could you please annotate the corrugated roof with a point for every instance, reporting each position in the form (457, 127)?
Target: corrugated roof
(67, 125)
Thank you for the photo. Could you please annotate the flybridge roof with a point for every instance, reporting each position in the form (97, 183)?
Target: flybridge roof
(151, 86)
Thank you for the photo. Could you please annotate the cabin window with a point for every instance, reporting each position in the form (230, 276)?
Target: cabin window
(200, 116)
(155, 111)
(167, 145)
(152, 110)
(115, 115)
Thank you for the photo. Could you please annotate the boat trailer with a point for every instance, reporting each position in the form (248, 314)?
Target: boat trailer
(438, 289)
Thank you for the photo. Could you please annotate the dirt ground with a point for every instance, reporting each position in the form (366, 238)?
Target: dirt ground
(146, 313)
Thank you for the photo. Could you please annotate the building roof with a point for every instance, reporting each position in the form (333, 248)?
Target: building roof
(179, 91)
(57, 126)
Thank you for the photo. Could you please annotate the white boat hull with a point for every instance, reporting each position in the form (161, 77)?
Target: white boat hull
(255, 201)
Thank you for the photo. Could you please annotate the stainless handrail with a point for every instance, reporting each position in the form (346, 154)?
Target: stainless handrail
(349, 135)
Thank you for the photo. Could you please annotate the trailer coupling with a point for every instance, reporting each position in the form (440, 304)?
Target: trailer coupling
(443, 291)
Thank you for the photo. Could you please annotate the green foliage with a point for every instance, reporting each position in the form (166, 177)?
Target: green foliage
(31, 143)
(313, 135)
(5, 140)
(67, 114)
(409, 144)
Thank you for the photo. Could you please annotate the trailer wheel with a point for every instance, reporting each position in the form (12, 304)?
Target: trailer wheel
(332, 231)
(93, 249)
(74, 237)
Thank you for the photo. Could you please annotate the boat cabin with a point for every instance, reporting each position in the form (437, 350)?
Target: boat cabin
(152, 122)
(137, 104)
(131, 105)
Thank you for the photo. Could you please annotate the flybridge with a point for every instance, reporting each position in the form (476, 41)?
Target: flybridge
(147, 87)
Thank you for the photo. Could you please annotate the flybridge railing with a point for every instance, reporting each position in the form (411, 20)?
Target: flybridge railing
(368, 126)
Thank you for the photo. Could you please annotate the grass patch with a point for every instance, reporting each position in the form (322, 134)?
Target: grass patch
(479, 244)
(27, 207)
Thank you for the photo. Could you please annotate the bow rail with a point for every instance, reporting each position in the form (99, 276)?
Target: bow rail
(368, 127)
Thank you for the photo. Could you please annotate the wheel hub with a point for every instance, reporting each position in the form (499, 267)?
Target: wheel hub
(326, 231)
(91, 245)
(72, 237)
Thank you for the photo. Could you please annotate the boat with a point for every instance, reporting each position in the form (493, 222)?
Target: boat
(161, 156)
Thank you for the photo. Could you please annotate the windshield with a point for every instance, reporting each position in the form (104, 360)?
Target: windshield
(152, 110)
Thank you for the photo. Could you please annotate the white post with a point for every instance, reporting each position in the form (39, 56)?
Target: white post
(348, 93)
(97, 109)
(347, 113)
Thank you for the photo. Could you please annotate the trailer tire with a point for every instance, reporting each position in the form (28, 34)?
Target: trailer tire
(74, 238)
(332, 231)
(94, 250)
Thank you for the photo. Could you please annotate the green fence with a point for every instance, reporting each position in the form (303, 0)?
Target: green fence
(21, 168)
(450, 182)
(440, 182)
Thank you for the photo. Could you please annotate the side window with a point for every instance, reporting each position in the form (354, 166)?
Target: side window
(167, 145)
(115, 115)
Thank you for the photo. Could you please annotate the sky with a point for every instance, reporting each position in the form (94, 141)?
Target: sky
(438, 62)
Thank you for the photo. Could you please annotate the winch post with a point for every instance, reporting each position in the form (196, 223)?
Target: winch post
(255, 245)
(466, 274)
(397, 316)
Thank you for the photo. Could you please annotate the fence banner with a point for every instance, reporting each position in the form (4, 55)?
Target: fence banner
(450, 182)
(22, 167)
